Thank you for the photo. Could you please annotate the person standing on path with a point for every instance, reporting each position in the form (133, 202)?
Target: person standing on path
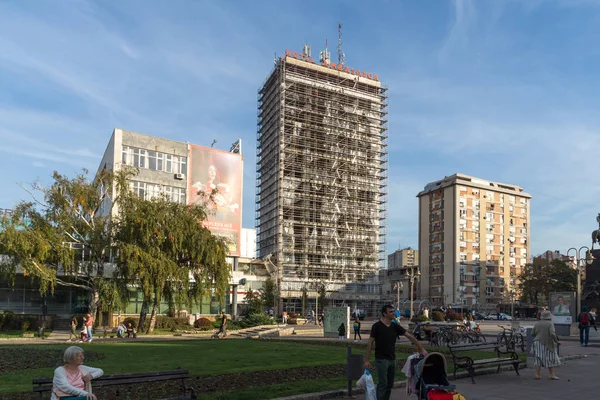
(89, 324)
(357, 329)
(544, 346)
(384, 334)
(584, 320)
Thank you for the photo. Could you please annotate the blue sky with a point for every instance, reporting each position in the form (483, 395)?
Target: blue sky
(504, 90)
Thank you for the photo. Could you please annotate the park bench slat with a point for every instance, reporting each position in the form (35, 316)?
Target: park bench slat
(121, 376)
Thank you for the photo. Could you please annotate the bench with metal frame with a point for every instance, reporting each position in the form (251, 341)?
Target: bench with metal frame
(41, 385)
(508, 357)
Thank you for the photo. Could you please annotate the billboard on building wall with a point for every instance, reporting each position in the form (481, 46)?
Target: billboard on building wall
(215, 182)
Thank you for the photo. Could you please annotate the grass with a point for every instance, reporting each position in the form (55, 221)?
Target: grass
(201, 357)
(211, 357)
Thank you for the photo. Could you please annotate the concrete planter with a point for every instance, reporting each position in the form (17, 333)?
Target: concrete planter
(297, 321)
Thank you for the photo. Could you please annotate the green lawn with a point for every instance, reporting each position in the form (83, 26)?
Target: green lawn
(207, 357)
(19, 334)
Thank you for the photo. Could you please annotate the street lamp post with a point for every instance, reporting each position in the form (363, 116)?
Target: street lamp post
(589, 259)
(399, 286)
(412, 274)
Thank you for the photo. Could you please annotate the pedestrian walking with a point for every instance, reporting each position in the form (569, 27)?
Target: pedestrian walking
(223, 326)
(284, 317)
(89, 324)
(73, 329)
(384, 334)
(544, 346)
(593, 314)
(584, 326)
(357, 329)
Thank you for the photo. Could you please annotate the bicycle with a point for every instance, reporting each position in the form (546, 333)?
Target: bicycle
(511, 339)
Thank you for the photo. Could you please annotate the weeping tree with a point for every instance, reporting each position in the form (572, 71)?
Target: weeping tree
(166, 252)
(60, 238)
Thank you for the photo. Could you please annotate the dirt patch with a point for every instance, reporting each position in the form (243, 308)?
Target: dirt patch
(15, 358)
(207, 384)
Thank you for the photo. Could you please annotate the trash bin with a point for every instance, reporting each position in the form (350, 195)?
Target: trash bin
(354, 368)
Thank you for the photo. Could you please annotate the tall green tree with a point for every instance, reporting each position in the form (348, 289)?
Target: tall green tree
(541, 277)
(59, 237)
(268, 293)
(167, 253)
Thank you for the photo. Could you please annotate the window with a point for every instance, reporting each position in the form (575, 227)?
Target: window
(151, 160)
(489, 290)
(139, 158)
(168, 163)
(126, 155)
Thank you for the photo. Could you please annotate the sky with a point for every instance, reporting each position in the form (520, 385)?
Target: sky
(504, 90)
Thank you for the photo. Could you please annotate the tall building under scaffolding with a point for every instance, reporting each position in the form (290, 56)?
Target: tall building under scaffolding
(321, 180)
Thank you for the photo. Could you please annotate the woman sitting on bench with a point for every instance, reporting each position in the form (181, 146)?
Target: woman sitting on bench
(73, 380)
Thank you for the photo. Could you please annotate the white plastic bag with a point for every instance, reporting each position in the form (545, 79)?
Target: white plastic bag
(366, 382)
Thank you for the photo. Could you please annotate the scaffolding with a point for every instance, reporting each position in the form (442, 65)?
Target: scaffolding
(321, 175)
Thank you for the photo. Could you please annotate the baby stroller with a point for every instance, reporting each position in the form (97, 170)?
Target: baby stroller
(431, 380)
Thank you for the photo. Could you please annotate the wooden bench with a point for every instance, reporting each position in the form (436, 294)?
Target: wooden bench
(107, 330)
(41, 385)
(464, 361)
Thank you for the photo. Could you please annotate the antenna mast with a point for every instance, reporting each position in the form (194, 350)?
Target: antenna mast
(341, 55)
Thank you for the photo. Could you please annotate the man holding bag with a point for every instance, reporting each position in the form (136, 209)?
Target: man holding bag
(384, 334)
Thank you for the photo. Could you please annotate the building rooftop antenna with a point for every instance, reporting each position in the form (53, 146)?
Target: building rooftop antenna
(324, 56)
(341, 55)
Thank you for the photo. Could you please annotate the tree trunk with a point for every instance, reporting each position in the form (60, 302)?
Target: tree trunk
(153, 316)
(143, 314)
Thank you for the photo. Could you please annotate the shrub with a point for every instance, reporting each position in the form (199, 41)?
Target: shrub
(25, 325)
(452, 316)
(256, 320)
(204, 324)
(171, 323)
(437, 316)
(6, 320)
(294, 315)
(420, 318)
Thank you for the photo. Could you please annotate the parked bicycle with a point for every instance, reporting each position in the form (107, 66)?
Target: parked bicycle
(511, 339)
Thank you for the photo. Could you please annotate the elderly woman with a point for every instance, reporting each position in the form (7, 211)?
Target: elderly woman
(72, 380)
(544, 346)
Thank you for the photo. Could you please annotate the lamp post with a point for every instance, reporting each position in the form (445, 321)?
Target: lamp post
(399, 287)
(589, 259)
(412, 274)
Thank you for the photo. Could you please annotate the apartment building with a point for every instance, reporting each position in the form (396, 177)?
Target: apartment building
(407, 257)
(473, 240)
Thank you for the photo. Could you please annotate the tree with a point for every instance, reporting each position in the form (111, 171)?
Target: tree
(322, 291)
(541, 277)
(254, 301)
(59, 238)
(268, 293)
(165, 251)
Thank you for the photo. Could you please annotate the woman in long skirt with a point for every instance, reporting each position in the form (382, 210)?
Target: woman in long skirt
(544, 346)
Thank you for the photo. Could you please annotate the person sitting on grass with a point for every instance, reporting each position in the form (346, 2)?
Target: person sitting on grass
(73, 380)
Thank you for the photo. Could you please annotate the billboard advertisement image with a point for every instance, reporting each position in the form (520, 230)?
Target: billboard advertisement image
(562, 307)
(215, 182)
